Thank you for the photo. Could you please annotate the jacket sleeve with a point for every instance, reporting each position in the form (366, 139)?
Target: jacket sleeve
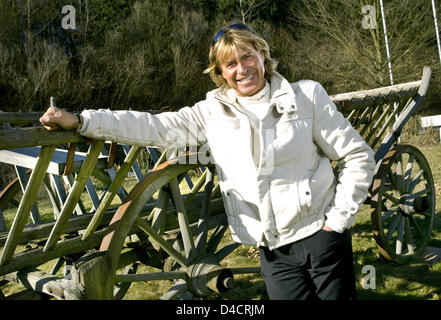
(169, 129)
(340, 142)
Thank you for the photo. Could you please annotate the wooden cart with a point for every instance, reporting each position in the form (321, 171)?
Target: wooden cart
(178, 232)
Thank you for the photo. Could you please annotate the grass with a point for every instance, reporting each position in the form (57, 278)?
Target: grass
(416, 281)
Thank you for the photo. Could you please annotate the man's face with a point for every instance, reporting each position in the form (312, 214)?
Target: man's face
(244, 71)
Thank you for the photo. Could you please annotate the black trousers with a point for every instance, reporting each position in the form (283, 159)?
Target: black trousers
(319, 267)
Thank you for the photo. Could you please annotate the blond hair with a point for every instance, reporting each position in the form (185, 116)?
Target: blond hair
(227, 45)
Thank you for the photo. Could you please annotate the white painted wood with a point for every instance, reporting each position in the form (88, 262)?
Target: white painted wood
(28, 157)
(432, 121)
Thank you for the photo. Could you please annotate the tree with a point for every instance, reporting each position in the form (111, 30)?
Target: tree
(359, 54)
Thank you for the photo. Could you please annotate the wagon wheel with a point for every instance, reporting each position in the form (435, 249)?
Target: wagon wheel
(403, 204)
(196, 269)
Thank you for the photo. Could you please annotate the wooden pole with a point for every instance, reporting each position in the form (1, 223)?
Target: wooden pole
(94, 273)
(74, 195)
(26, 203)
(111, 192)
(436, 29)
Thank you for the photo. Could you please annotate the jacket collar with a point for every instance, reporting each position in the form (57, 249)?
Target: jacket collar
(282, 94)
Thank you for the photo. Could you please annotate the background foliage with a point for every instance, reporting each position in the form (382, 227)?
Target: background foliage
(149, 54)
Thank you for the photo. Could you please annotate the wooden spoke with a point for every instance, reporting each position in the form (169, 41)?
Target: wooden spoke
(399, 173)
(60, 262)
(225, 251)
(159, 213)
(415, 180)
(408, 236)
(400, 233)
(184, 225)
(202, 230)
(216, 238)
(393, 179)
(160, 240)
(425, 214)
(389, 213)
(408, 172)
(391, 198)
(122, 287)
(196, 187)
(393, 226)
(419, 193)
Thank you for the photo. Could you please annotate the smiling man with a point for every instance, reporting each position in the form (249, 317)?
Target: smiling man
(272, 143)
(244, 71)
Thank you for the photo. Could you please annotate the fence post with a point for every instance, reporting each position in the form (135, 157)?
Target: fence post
(94, 273)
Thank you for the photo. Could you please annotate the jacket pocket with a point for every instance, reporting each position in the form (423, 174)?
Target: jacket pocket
(286, 205)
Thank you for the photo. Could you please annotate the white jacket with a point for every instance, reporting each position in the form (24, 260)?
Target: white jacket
(291, 191)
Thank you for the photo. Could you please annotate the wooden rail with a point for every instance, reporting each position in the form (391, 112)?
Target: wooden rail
(39, 136)
(378, 96)
(380, 114)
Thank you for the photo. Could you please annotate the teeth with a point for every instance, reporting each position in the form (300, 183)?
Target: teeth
(246, 79)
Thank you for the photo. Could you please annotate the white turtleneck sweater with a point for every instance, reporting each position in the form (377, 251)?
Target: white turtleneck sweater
(257, 104)
(256, 107)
